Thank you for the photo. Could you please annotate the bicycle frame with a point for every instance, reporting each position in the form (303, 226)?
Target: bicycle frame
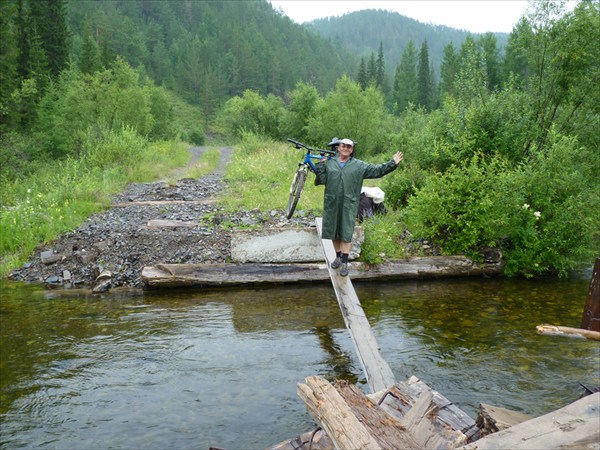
(308, 156)
(301, 173)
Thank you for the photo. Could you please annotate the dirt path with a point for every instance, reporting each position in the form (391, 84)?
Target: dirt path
(150, 223)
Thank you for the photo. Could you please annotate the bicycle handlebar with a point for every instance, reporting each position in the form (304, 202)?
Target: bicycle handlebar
(310, 149)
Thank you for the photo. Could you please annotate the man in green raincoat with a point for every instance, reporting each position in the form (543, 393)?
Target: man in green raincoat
(343, 176)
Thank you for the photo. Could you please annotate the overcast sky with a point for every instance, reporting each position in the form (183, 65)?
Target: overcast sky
(472, 15)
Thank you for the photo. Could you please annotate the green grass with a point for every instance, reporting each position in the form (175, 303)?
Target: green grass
(259, 177)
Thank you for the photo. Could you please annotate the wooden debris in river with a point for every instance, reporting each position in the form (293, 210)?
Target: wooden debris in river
(409, 415)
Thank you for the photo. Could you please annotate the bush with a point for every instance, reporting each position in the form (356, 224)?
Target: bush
(459, 209)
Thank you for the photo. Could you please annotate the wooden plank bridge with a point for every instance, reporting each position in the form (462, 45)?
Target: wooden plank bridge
(377, 371)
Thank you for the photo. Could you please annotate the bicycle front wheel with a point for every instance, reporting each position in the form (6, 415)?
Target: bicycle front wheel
(295, 191)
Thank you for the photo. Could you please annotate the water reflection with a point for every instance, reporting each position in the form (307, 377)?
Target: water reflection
(220, 367)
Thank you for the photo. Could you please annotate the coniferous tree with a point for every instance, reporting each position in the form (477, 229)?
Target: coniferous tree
(424, 78)
(8, 61)
(449, 70)
(472, 80)
(515, 56)
(23, 25)
(405, 81)
(380, 67)
(89, 61)
(434, 102)
(362, 73)
(489, 47)
(50, 20)
(372, 69)
(107, 55)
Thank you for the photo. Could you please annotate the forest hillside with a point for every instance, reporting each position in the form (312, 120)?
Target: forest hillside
(362, 32)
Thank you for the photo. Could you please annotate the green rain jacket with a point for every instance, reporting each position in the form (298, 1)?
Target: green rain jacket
(342, 193)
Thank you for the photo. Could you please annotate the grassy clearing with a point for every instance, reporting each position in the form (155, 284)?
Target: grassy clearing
(260, 174)
(60, 195)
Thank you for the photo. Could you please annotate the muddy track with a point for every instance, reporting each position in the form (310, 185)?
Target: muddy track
(148, 224)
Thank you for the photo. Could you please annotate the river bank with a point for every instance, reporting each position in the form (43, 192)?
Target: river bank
(155, 223)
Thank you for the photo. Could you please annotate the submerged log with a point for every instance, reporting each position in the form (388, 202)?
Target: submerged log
(556, 330)
(574, 426)
(197, 275)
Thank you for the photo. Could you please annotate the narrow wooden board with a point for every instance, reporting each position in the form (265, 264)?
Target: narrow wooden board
(377, 371)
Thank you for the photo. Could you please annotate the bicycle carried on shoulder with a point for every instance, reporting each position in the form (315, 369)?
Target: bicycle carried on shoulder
(302, 173)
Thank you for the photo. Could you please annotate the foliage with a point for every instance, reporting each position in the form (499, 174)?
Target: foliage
(301, 108)
(405, 82)
(109, 99)
(383, 238)
(251, 113)
(210, 51)
(352, 112)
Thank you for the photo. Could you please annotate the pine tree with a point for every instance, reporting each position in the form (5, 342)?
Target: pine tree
(362, 74)
(23, 22)
(8, 62)
(424, 78)
(449, 70)
(488, 45)
(380, 67)
(50, 20)
(371, 69)
(89, 61)
(405, 81)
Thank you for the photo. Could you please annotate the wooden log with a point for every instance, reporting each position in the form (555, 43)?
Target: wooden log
(556, 330)
(574, 426)
(377, 371)
(491, 419)
(198, 275)
(329, 409)
(386, 430)
(452, 425)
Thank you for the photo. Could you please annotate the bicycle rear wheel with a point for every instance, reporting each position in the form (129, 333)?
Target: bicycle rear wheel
(295, 192)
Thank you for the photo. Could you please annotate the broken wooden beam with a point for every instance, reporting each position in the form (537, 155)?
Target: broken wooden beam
(329, 409)
(451, 423)
(573, 426)
(491, 419)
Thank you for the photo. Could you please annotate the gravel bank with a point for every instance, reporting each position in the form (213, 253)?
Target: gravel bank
(148, 224)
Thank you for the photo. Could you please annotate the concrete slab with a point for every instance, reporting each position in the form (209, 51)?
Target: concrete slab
(284, 246)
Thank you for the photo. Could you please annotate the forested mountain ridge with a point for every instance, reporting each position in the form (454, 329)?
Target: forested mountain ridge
(361, 33)
(209, 51)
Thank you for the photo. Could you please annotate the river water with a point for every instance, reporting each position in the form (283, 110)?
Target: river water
(201, 368)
